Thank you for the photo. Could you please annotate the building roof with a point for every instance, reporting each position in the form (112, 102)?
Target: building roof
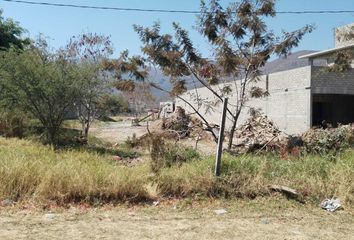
(325, 52)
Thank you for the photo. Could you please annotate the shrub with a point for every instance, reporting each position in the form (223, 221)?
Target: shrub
(132, 142)
(165, 154)
(12, 123)
(330, 139)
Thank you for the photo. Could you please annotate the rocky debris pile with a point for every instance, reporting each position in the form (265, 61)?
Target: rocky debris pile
(179, 123)
(258, 132)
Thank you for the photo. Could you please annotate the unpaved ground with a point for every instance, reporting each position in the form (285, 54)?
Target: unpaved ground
(242, 221)
(118, 132)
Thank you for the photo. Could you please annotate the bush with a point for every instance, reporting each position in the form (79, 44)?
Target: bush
(12, 123)
(132, 142)
(331, 139)
(164, 154)
(113, 105)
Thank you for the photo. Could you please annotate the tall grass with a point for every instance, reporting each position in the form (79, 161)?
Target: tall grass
(32, 171)
(315, 177)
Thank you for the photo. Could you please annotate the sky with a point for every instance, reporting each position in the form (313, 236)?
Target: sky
(59, 24)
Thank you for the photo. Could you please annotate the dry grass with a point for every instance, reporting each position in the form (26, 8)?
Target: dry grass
(315, 177)
(32, 171)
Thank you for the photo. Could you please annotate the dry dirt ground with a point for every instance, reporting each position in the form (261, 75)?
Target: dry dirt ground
(243, 220)
(118, 132)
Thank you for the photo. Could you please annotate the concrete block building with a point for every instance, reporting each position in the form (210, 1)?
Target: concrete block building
(302, 92)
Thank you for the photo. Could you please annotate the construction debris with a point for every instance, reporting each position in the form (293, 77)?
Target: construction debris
(288, 192)
(258, 132)
(178, 122)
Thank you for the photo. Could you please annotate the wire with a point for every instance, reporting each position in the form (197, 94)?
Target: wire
(160, 10)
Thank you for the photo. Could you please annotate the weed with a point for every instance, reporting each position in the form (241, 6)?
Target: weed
(165, 154)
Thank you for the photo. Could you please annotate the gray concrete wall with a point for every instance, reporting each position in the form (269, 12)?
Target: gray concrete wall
(289, 103)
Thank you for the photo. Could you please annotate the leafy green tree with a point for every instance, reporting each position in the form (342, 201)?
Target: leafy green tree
(41, 83)
(113, 104)
(11, 34)
(241, 44)
(130, 73)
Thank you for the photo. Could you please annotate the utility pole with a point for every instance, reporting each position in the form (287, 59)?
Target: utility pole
(220, 139)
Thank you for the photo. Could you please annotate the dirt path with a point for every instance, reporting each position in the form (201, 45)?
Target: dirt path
(170, 223)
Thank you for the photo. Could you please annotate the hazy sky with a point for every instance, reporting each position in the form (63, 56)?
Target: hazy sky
(61, 23)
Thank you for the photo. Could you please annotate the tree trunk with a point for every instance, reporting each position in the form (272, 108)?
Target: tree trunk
(51, 136)
(86, 130)
(232, 131)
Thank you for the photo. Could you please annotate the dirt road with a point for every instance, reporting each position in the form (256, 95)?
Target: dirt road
(167, 222)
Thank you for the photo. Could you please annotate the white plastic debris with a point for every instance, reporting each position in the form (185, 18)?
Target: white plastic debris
(331, 205)
(220, 211)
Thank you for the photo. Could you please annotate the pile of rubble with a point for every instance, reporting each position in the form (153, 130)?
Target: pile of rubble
(178, 125)
(258, 132)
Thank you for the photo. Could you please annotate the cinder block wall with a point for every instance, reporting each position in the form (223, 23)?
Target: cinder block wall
(289, 103)
(324, 82)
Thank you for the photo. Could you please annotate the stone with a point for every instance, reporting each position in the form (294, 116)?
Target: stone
(117, 158)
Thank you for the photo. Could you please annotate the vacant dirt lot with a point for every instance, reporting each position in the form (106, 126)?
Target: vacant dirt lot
(118, 132)
(245, 220)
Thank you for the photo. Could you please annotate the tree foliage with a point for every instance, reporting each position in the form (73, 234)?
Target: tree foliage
(39, 82)
(344, 59)
(241, 45)
(11, 34)
(113, 104)
(89, 52)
